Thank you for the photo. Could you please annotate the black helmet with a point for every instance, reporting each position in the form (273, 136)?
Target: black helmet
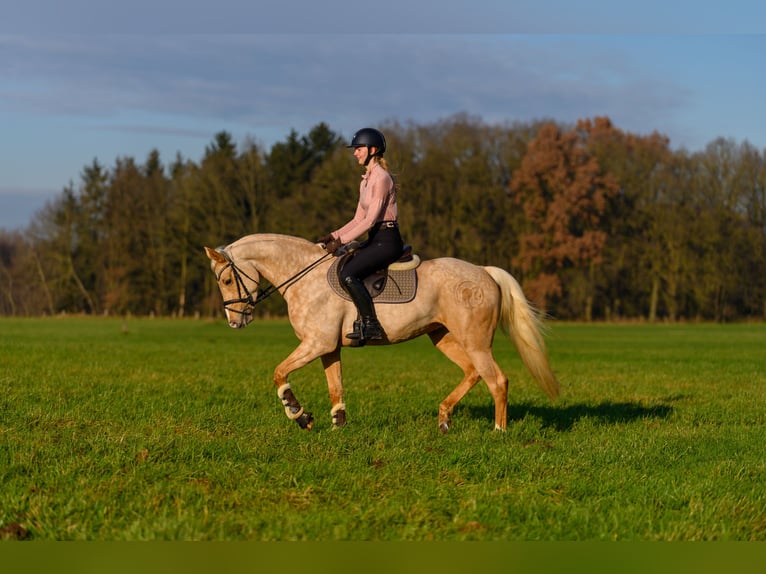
(369, 137)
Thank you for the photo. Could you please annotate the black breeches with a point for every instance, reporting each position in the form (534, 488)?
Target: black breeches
(383, 248)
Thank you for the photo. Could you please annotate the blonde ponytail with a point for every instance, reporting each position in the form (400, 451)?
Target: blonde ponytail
(384, 164)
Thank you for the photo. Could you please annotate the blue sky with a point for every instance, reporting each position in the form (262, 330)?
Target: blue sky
(81, 79)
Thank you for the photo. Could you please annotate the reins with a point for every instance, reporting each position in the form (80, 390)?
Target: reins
(262, 294)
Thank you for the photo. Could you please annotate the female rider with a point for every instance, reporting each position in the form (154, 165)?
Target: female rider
(376, 214)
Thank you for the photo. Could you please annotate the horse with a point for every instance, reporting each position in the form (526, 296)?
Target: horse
(459, 305)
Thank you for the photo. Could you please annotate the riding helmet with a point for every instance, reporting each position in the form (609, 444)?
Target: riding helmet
(369, 137)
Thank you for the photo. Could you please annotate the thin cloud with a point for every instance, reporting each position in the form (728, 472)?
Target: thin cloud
(272, 78)
(266, 82)
(399, 16)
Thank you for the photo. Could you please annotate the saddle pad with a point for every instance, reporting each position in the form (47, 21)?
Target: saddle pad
(401, 286)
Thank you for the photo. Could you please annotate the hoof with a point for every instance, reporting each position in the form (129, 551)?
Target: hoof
(443, 427)
(305, 421)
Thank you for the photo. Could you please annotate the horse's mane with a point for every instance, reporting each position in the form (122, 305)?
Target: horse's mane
(275, 243)
(270, 237)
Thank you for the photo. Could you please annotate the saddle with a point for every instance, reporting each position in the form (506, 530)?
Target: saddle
(396, 284)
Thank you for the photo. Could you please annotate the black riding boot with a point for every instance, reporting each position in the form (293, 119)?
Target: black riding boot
(367, 326)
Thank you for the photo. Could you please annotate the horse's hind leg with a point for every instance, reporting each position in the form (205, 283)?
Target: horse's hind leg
(476, 364)
(498, 387)
(446, 343)
(496, 381)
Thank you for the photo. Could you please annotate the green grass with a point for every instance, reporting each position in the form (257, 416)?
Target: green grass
(171, 430)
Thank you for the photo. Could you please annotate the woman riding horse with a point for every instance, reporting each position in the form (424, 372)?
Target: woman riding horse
(376, 214)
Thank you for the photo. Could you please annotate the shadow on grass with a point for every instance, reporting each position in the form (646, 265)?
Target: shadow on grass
(564, 418)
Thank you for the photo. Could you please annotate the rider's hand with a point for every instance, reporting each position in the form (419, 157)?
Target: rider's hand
(325, 239)
(332, 246)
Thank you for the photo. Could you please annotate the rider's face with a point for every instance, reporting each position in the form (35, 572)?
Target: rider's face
(361, 153)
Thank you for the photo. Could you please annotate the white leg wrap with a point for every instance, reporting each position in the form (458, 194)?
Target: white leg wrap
(288, 409)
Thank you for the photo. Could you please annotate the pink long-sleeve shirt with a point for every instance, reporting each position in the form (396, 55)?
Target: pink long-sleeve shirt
(377, 202)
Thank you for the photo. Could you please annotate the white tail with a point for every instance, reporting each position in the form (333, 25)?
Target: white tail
(521, 321)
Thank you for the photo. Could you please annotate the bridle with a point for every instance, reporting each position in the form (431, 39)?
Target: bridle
(244, 295)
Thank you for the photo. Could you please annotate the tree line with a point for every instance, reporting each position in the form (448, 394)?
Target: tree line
(595, 222)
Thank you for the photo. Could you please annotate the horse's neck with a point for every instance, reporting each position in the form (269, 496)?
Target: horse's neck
(277, 258)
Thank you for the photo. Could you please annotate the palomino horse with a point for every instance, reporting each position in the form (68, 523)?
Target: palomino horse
(458, 305)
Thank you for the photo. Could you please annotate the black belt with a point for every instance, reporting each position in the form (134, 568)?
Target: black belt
(385, 225)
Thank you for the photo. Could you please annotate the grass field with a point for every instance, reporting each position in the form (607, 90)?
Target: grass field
(144, 429)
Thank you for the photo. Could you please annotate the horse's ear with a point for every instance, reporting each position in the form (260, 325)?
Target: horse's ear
(215, 255)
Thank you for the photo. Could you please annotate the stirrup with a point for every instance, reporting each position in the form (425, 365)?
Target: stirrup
(357, 336)
(358, 333)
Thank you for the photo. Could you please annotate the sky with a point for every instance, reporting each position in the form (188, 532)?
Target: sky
(90, 79)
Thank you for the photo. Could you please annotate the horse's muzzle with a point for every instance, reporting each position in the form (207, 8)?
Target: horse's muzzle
(239, 319)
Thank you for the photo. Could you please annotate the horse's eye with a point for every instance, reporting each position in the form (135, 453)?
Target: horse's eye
(227, 281)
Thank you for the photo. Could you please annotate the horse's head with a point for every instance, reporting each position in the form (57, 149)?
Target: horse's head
(238, 283)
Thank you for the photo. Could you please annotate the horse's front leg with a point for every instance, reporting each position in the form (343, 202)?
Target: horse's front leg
(301, 356)
(333, 372)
